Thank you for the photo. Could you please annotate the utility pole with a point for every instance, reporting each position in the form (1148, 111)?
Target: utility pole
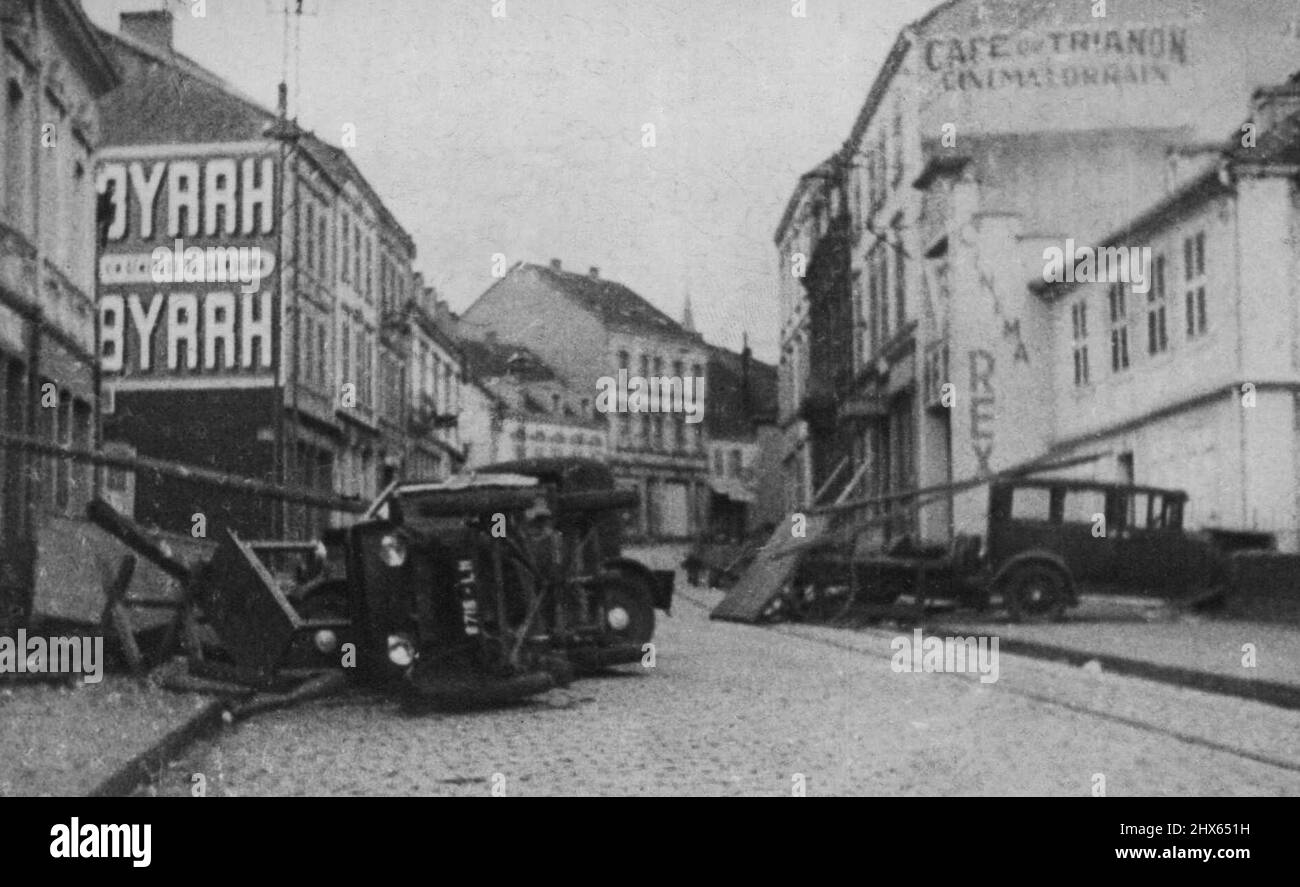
(287, 133)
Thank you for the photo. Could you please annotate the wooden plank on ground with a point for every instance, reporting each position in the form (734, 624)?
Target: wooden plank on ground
(764, 580)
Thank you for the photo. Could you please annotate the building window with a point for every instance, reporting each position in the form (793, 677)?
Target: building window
(356, 255)
(737, 463)
(368, 286)
(309, 238)
(1194, 271)
(17, 154)
(345, 354)
(1079, 319)
(322, 355)
(1157, 328)
(874, 294)
(623, 360)
(1118, 328)
(897, 177)
(345, 252)
(900, 303)
(719, 468)
(307, 348)
(323, 245)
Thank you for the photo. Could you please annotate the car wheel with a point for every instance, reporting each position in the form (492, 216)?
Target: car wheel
(1035, 593)
(629, 615)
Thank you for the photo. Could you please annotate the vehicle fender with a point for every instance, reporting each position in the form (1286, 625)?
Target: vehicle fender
(1039, 556)
(659, 582)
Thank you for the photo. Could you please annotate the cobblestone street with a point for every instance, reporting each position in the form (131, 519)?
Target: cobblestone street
(737, 710)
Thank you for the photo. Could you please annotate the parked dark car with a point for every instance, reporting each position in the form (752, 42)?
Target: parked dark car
(1047, 539)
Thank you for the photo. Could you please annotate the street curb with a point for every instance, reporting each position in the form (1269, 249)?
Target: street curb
(141, 768)
(1269, 692)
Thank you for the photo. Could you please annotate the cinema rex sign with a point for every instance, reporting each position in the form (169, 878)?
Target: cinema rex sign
(186, 270)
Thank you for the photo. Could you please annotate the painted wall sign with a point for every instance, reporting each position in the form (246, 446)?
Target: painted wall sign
(186, 271)
(982, 403)
(1066, 58)
(217, 197)
(186, 331)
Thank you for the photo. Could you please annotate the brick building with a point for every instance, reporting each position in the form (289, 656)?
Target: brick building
(524, 409)
(606, 327)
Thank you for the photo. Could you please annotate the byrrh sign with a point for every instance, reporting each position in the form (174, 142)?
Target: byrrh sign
(186, 283)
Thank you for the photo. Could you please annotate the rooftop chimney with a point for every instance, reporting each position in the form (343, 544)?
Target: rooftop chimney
(555, 264)
(491, 337)
(595, 273)
(1270, 105)
(152, 26)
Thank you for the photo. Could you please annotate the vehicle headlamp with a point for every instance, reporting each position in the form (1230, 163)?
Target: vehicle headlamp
(326, 640)
(401, 650)
(618, 618)
(392, 550)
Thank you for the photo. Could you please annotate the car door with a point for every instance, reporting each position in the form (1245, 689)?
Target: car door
(1155, 556)
(1088, 552)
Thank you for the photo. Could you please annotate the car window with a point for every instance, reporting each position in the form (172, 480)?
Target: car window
(1173, 514)
(1082, 505)
(1157, 511)
(1138, 503)
(1031, 503)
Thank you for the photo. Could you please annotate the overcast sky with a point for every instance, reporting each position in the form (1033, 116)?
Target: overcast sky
(522, 135)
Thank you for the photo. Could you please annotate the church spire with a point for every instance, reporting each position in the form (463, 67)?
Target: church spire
(688, 316)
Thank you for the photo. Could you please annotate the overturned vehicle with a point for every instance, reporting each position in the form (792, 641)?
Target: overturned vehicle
(479, 589)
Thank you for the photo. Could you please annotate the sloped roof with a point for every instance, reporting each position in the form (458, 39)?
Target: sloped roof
(92, 55)
(615, 304)
(487, 360)
(167, 97)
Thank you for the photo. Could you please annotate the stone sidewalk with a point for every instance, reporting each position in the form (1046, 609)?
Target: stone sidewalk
(74, 738)
(1251, 660)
